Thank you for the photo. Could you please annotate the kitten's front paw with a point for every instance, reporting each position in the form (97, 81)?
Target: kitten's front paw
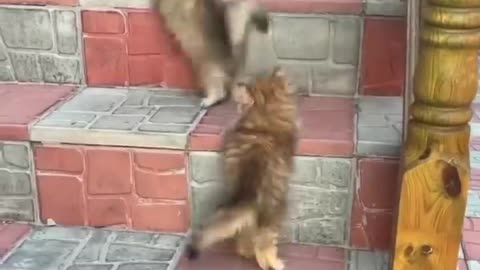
(209, 102)
(206, 103)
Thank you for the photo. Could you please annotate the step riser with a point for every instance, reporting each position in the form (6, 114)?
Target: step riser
(157, 190)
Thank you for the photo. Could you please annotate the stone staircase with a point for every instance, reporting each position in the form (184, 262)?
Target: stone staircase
(99, 126)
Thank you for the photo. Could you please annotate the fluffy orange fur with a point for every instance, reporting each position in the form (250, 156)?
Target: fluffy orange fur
(258, 160)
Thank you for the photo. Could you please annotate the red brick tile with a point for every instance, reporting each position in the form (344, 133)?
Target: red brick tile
(332, 254)
(58, 159)
(208, 134)
(317, 135)
(178, 73)
(471, 239)
(148, 34)
(61, 199)
(358, 233)
(165, 217)
(298, 251)
(375, 173)
(371, 229)
(160, 161)
(21, 105)
(384, 51)
(372, 210)
(106, 61)
(103, 22)
(106, 212)
(170, 186)
(146, 70)
(10, 235)
(314, 6)
(161, 175)
(108, 171)
(327, 126)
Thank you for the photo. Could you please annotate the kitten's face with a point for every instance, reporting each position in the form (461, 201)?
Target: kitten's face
(273, 89)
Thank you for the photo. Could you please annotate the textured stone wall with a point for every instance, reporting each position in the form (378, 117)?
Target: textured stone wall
(17, 182)
(40, 45)
(320, 196)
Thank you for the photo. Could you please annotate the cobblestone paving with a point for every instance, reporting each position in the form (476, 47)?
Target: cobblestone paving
(58, 248)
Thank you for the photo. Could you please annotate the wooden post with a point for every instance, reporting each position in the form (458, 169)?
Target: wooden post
(436, 167)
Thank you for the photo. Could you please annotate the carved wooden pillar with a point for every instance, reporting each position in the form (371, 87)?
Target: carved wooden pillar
(436, 169)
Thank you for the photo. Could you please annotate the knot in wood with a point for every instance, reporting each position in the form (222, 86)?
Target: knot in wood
(451, 180)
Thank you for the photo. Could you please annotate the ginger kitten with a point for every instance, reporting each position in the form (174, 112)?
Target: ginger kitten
(211, 32)
(258, 160)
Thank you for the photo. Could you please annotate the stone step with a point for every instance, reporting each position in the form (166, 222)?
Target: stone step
(124, 43)
(150, 160)
(78, 248)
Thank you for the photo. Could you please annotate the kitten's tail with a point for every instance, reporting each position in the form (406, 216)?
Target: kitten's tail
(226, 223)
(260, 20)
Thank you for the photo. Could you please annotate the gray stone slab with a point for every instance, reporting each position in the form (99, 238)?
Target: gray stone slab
(362, 260)
(327, 231)
(3, 52)
(73, 248)
(206, 167)
(127, 253)
(17, 189)
(39, 254)
(66, 31)
(206, 199)
(91, 267)
(16, 155)
(162, 100)
(293, 37)
(60, 233)
(40, 45)
(62, 70)
(175, 115)
(379, 126)
(334, 79)
(117, 122)
(386, 7)
(134, 237)
(17, 209)
(346, 40)
(25, 66)
(131, 110)
(321, 195)
(6, 72)
(143, 266)
(160, 128)
(23, 28)
(91, 251)
(122, 117)
(14, 183)
(167, 240)
(299, 74)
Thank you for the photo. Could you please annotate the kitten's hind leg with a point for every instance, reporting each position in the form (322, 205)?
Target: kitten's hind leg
(266, 250)
(213, 80)
(225, 224)
(244, 243)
